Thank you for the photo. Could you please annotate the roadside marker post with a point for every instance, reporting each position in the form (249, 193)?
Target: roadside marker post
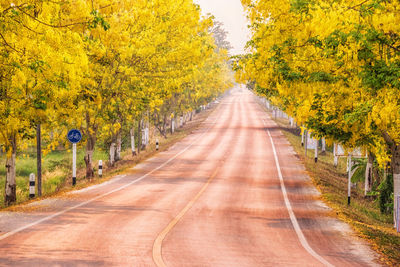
(100, 168)
(32, 185)
(157, 144)
(74, 136)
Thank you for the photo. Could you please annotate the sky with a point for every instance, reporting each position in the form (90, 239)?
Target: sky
(231, 13)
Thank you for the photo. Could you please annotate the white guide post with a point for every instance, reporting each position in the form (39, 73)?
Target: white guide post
(100, 168)
(74, 164)
(32, 185)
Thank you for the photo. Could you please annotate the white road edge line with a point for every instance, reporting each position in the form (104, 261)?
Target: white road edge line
(293, 218)
(11, 233)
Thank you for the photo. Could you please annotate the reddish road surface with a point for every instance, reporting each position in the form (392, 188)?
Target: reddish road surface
(231, 194)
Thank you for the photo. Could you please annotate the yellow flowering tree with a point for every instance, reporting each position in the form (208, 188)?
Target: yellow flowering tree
(334, 66)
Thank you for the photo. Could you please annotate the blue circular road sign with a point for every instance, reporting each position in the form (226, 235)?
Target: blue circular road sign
(74, 136)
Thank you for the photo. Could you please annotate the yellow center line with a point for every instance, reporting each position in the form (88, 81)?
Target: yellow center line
(157, 246)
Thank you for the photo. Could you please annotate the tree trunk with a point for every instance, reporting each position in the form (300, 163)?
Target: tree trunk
(349, 165)
(10, 185)
(305, 142)
(119, 147)
(335, 157)
(39, 159)
(143, 135)
(91, 141)
(395, 168)
(395, 165)
(368, 174)
(164, 128)
(139, 135)
(147, 133)
(90, 145)
(133, 141)
(323, 150)
(111, 162)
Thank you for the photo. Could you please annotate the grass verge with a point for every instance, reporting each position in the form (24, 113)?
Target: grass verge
(363, 214)
(57, 165)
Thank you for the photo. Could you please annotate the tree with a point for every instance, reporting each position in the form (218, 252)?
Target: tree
(332, 65)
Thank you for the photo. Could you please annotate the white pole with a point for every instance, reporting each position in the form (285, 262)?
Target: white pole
(349, 180)
(157, 146)
(32, 185)
(100, 168)
(74, 164)
(316, 151)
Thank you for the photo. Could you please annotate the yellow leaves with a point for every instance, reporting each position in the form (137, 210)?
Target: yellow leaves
(314, 60)
(152, 52)
(18, 79)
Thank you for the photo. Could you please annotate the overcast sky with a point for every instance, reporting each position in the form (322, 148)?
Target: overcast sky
(231, 13)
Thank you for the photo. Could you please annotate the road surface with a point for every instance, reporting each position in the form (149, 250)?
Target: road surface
(233, 193)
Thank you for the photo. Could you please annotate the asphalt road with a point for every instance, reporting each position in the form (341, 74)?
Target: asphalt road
(233, 193)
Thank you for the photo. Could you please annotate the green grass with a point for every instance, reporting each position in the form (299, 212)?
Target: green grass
(56, 166)
(363, 214)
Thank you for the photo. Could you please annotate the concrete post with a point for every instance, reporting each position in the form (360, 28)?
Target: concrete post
(32, 185)
(100, 168)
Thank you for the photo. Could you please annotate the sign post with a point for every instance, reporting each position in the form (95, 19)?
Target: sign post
(74, 136)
